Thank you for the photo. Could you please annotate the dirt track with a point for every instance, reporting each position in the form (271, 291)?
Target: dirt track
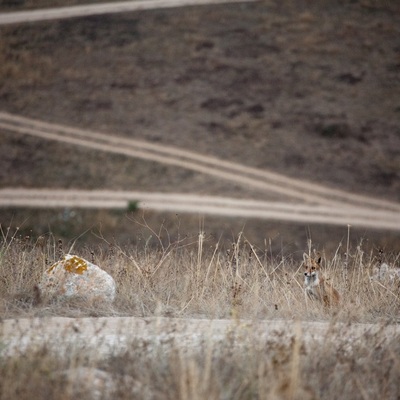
(186, 203)
(237, 173)
(98, 9)
(333, 206)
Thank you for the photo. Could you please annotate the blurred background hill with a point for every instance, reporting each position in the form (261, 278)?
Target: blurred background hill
(306, 89)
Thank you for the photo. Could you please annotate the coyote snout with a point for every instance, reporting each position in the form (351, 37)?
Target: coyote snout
(315, 284)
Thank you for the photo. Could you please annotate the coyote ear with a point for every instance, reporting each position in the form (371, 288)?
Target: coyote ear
(317, 258)
(305, 257)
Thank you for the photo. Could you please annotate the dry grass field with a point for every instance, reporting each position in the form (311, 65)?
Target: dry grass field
(214, 307)
(236, 365)
(188, 280)
(190, 277)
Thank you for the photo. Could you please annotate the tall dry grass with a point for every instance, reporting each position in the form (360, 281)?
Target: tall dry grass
(190, 278)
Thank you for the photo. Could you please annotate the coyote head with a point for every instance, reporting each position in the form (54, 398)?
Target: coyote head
(311, 267)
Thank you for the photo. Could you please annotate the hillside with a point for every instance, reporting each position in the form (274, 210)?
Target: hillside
(306, 90)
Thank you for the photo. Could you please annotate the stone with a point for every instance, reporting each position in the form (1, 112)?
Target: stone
(76, 278)
(386, 273)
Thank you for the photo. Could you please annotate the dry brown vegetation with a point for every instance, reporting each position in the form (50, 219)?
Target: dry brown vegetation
(188, 278)
(278, 368)
(309, 90)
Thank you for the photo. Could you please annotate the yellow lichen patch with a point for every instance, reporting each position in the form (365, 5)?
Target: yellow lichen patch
(75, 265)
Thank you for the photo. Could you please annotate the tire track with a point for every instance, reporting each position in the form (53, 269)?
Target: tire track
(99, 9)
(189, 203)
(243, 175)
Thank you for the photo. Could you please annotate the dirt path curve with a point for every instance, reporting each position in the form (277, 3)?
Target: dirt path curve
(101, 337)
(239, 174)
(189, 203)
(98, 9)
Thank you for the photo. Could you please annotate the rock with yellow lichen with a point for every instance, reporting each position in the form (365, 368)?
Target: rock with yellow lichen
(76, 278)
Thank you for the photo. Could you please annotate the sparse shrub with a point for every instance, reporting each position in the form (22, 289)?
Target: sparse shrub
(133, 206)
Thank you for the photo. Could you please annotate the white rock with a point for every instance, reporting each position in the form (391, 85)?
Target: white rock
(386, 273)
(74, 277)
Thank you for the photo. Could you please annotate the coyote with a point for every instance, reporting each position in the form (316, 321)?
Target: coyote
(315, 284)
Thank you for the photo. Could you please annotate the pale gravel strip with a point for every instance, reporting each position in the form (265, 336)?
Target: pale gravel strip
(44, 194)
(182, 203)
(105, 336)
(260, 179)
(48, 14)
